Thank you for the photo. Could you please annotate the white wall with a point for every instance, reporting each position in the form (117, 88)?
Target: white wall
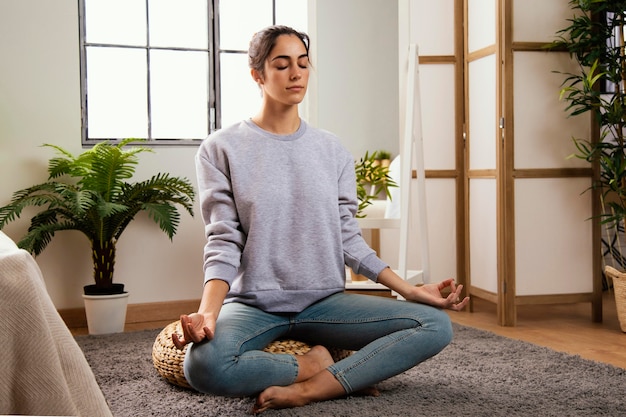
(355, 58)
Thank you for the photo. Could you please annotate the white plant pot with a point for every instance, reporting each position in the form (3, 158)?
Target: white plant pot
(106, 313)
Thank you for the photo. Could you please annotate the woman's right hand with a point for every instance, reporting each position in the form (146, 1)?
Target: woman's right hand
(196, 328)
(200, 326)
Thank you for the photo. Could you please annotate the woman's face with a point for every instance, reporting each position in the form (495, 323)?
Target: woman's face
(286, 72)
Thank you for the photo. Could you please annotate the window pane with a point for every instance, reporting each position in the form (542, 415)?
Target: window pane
(116, 102)
(179, 94)
(292, 13)
(119, 22)
(179, 23)
(237, 26)
(241, 98)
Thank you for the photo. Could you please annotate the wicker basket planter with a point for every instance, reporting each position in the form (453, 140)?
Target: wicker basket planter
(619, 288)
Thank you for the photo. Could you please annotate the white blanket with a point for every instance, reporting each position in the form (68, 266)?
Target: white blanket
(43, 370)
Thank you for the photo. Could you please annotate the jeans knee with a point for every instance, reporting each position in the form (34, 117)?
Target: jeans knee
(442, 325)
(205, 370)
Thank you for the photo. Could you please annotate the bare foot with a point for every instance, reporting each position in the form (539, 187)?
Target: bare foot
(281, 397)
(322, 386)
(314, 361)
(296, 396)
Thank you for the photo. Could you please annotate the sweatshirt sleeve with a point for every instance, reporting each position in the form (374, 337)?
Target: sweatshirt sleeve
(225, 239)
(357, 253)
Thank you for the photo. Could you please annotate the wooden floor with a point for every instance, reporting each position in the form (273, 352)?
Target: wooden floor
(564, 327)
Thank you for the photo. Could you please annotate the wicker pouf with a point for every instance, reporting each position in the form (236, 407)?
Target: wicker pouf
(168, 360)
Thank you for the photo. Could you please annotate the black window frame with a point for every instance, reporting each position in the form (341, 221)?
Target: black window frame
(213, 75)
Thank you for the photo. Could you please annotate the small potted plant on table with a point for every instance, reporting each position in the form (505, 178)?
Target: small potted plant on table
(383, 157)
(372, 180)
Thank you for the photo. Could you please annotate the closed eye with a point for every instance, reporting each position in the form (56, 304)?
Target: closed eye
(303, 61)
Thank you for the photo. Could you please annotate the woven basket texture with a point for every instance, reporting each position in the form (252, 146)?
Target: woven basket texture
(168, 359)
(619, 287)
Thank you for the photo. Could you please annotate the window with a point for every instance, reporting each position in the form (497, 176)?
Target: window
(171, 71)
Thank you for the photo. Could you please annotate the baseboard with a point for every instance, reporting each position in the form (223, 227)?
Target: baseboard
(136, 313)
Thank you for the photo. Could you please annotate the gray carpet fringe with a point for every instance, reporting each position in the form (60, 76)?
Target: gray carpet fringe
(478, 374)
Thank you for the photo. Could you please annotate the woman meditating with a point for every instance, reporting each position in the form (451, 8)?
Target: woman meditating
(278, 199)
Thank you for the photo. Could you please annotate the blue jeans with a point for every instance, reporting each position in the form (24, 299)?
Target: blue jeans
(389, 337)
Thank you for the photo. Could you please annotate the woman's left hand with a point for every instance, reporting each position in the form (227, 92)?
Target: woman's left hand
(431, 294)
(426, 294)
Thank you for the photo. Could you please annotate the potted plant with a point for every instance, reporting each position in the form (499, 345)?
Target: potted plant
(594, 38)
(372, 180)
(383, 157)
(91, 193)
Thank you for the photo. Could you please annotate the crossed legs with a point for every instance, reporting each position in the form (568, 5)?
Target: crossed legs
(388, 337)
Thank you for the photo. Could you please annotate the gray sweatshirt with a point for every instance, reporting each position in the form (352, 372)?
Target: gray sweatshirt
(279, 216)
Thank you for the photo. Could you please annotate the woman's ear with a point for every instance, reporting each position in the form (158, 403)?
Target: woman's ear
(256, 76)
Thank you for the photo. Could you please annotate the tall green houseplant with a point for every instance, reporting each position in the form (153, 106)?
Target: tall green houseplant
(595, 39)
(91, 193)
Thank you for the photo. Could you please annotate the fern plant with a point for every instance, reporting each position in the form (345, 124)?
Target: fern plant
(91, 193)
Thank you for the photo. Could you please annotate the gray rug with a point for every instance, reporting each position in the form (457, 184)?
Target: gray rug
(479, 374)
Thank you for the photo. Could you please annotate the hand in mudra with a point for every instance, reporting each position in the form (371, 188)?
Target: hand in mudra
(196, 328)
(431, 294)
